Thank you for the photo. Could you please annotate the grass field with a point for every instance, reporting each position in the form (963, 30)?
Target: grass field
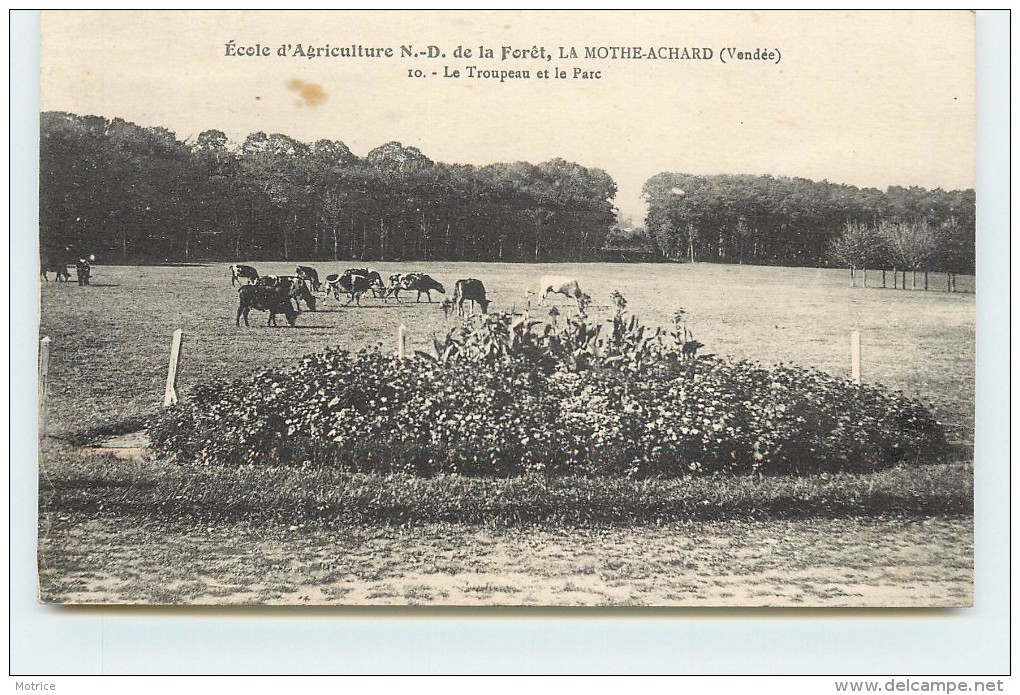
(141, 532)
(111, 339)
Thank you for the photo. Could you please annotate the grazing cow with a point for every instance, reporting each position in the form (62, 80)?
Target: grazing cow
(83, 269)
(414, 282)
(373, 277)
(54, 264)
(296, 288)
(309, 275)
(561, 284)
(275, 300)
(470, 290)
(394, 288)
(355, 282)
(238, 271)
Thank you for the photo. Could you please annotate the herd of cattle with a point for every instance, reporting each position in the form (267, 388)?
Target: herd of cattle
(284, 294)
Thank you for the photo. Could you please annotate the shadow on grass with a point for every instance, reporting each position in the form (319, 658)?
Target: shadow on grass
(93, 483)
(91, 284)
(154, 491)
(104, 430)
(281, 328)
(171, 264)
(401, 305)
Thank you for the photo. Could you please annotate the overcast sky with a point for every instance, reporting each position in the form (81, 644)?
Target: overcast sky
(870, 99)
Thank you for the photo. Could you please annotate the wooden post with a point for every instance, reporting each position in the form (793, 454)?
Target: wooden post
(855, 357)
(44, 369)
(170, 395)
(401, 341)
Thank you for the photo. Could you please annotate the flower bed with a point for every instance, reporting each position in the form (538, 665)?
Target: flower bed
(518, 397)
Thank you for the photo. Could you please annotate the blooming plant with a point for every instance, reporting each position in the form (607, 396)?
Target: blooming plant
(508, 394)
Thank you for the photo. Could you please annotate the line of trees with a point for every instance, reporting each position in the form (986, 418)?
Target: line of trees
(130, 193)
(768, 220)
(140, 194)
(903, 246)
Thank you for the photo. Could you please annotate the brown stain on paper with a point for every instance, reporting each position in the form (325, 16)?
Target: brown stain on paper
(311, 94)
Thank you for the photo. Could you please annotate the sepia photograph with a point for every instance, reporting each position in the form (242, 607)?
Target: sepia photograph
(505, 309)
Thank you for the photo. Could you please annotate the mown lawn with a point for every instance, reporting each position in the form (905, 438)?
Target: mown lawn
(75, 482)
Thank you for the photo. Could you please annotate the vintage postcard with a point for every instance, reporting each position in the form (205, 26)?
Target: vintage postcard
(516, 308)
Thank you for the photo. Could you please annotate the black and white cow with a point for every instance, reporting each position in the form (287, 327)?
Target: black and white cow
(238, 271)
(414, 282)
(373, 277)
(275, 300)
(296, 289)
(470, 290)
(354, 282)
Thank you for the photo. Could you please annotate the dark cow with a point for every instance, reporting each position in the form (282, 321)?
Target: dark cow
(238, 271)
(52, 263)
(275, 300)
(689, 350)
(373, 277)
(296, 288)
(84, 271)
(470, 290)
(309, 275)
(355, 282)
(414, 282)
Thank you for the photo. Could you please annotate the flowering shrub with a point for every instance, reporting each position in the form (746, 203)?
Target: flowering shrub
(507, 395)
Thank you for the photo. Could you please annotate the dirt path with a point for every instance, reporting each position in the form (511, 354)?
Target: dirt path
(826, 563)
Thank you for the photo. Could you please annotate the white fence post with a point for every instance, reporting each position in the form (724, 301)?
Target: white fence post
(170, 394)
(44, 369)
(855, 357)
(401, 341)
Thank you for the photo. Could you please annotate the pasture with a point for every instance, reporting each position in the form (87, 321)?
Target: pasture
(111, 340)
(108, 365)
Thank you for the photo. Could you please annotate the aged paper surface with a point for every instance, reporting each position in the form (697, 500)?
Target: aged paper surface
(532, 152)
(860, 98)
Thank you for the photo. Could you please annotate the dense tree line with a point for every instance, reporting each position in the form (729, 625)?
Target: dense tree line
(131, 193)
(770, 220)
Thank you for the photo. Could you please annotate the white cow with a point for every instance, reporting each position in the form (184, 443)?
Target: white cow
(565, 285)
